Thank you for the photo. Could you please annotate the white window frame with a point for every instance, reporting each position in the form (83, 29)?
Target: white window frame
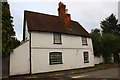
(57, 38)
(55, 58)
(86, 57)
(84, 41)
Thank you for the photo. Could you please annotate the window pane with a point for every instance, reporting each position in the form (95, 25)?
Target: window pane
(57, 38)
(84, 40)
(86, 60)
(55, 58)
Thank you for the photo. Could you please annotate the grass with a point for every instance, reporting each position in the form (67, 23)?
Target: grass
(103, 65)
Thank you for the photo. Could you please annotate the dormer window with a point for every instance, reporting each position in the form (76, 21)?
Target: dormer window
(57, 38)
(84, 41)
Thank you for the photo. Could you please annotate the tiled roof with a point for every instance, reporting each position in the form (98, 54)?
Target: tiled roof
(50, 23)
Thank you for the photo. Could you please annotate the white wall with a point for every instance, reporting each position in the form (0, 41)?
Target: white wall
(19, 60)
(98, 59)
(45, 40)
(41, 45)
(72, 58)
(26, 32)
(71, 48)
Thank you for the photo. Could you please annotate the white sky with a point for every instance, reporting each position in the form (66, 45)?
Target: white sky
(88, 13)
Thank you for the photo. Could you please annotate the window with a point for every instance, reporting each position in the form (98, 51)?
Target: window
(86, 59)
(84, 41)
(57, 38)
(55, 58)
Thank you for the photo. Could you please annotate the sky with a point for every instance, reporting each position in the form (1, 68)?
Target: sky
(89, 13)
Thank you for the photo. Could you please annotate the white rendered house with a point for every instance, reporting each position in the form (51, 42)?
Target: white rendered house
(51, 43)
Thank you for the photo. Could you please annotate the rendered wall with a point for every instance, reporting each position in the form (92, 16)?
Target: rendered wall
(71, 48)
(19, 60)
(45, 40)
(41, 45)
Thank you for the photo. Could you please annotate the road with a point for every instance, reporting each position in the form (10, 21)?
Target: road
(0, 69)
(106, 73)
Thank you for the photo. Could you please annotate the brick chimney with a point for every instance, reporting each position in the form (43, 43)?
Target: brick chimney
(61, 9)
(67, 20)
(62, 13)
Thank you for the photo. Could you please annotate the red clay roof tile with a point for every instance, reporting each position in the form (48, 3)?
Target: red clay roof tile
(50, 23)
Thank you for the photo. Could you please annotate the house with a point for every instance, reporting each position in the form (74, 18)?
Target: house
(51, 43)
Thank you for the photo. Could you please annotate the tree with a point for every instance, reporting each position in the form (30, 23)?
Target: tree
(110, 46)
(109, 25)
(96, 31)
(105, 45)
(0, 28)
(96, 39)
(9, 42)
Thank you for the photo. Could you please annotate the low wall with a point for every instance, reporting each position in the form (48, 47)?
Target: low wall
(98, 60)
(19, 60)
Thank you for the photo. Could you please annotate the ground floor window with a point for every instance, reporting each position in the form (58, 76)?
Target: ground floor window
(55, 58)
(86, 57)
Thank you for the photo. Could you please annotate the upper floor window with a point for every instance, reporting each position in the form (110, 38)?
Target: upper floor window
(84, 41)
(55, 58)
(57, 38)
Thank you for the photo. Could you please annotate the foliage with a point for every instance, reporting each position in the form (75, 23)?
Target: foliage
(95, 31)
(0, 28)
(109, 25)
(110, 44)
(96, 39)
(107, 43)
(9, 42)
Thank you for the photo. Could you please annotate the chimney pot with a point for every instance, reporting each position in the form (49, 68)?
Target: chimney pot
(66, 11)
(61, 9)
(60, 3)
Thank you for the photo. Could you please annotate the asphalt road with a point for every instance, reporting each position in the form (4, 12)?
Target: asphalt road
(106, 73)
(0, 69)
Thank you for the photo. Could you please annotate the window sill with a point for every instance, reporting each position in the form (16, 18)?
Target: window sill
(55, 63)
(85, 44)
(57, 43)
(86, 62)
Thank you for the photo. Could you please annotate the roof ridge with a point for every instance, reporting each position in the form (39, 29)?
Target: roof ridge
(40, 13)
(45, 14)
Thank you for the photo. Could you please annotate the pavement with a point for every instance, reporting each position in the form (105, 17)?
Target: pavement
(65, 75)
